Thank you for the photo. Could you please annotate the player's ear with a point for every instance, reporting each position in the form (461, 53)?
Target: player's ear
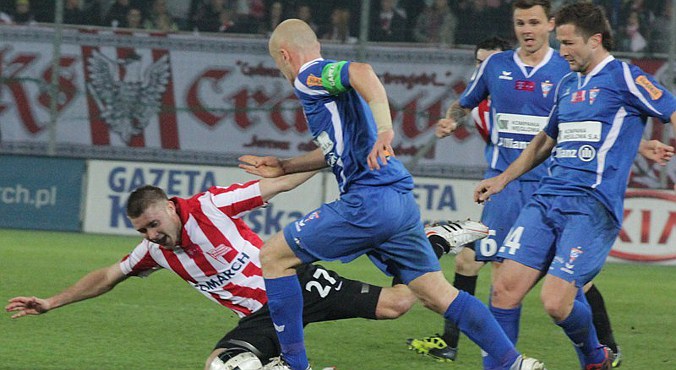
(551, 24)
(595, 40)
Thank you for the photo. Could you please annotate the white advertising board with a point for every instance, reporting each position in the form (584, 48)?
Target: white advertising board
(110, 182)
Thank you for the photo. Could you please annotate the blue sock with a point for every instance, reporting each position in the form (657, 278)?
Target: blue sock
(477, 323)
(509, 320)
(285, 300)
(579, 327)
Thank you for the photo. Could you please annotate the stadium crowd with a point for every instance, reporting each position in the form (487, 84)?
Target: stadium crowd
(639, 25)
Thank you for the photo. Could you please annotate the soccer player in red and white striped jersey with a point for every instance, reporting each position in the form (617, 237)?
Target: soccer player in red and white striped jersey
(205, 241)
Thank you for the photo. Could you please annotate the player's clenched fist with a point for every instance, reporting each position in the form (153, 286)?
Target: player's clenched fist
(445, 127)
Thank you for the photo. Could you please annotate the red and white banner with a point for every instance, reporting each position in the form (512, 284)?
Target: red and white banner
(213, 95)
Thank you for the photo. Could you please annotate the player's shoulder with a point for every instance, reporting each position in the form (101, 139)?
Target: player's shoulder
(501, 58)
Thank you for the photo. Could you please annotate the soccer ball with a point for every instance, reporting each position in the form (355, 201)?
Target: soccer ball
(243, 361)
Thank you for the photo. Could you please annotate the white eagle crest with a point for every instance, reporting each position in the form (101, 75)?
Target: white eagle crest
(127, 104)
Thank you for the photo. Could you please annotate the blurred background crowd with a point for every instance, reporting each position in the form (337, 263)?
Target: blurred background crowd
(639, 25)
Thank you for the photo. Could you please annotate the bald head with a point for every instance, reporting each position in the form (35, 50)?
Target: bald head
(292, 44)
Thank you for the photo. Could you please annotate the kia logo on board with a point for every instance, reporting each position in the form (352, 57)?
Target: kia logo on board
(649, 229)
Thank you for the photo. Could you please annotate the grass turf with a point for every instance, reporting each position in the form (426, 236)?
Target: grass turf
(162, 323)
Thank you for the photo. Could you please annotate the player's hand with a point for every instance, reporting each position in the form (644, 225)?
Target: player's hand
(488, 187)
(27, 306)
(445, 127)
(382, 150)
(261, 166)
(657, 151)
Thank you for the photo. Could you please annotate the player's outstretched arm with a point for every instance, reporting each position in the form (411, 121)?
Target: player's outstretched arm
(365, 81)
(274, 167)
(535, 153)
(656, 151)
(91, 285)
(271, 187)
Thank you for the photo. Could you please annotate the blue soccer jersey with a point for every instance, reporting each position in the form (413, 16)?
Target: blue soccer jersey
(521, 100)
(597, 122)
(342, 125)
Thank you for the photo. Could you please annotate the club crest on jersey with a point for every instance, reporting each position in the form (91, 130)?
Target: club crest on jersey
(546, 88)
(593, 93)
(523, 85)
(218, 251)
(313, 80)
(301, 223)
(574, 254)
(654, 92)
(578, 96)
(506, 76)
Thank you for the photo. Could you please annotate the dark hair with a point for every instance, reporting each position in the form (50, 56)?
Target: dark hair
(588, 20)
(493, 43)
(142, 198)
(527, 4)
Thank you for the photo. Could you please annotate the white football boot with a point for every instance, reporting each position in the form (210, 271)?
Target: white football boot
(453, 235)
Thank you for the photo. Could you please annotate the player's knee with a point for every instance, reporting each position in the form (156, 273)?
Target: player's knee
(556, 306)
(231, 359)
(504, 295)
(394, 302)
(467, 267)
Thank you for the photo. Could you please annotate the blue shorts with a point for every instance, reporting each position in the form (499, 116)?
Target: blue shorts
(499, 214)
(567, 236)
(382, 222)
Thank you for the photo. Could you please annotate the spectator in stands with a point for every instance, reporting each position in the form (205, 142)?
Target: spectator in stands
(274, 16)
(72, 14)
(389, 23)
(304, 13)
(660, 29)
(632, 39)
(229, 22)
(134, 18)
(436, 24)
(93, 12)
(339, 28)
(207, 16)
(248, 14)
(117, 14)
(476, 15)
(22, 13)
(159, 18)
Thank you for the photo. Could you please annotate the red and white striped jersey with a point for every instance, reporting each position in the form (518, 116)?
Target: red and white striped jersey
(480, 116)
(218, 254)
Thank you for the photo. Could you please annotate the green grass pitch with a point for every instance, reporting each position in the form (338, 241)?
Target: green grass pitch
(162, 323)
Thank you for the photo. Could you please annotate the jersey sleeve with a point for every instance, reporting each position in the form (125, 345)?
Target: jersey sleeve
(336, 77)
(477, 90)
(237, 199)
(139, 262)
(647, 95)
(552, 127)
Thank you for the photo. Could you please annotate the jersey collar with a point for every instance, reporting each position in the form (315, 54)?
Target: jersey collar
(308, 64)
(582, 82)
(522, 65)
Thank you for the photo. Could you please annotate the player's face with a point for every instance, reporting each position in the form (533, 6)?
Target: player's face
(482, 54)
(532, 28)
(574, 48)
(160, 224)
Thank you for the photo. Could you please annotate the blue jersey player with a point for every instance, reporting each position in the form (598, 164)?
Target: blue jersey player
(348, 115)
(567, 229)
(521, 85)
